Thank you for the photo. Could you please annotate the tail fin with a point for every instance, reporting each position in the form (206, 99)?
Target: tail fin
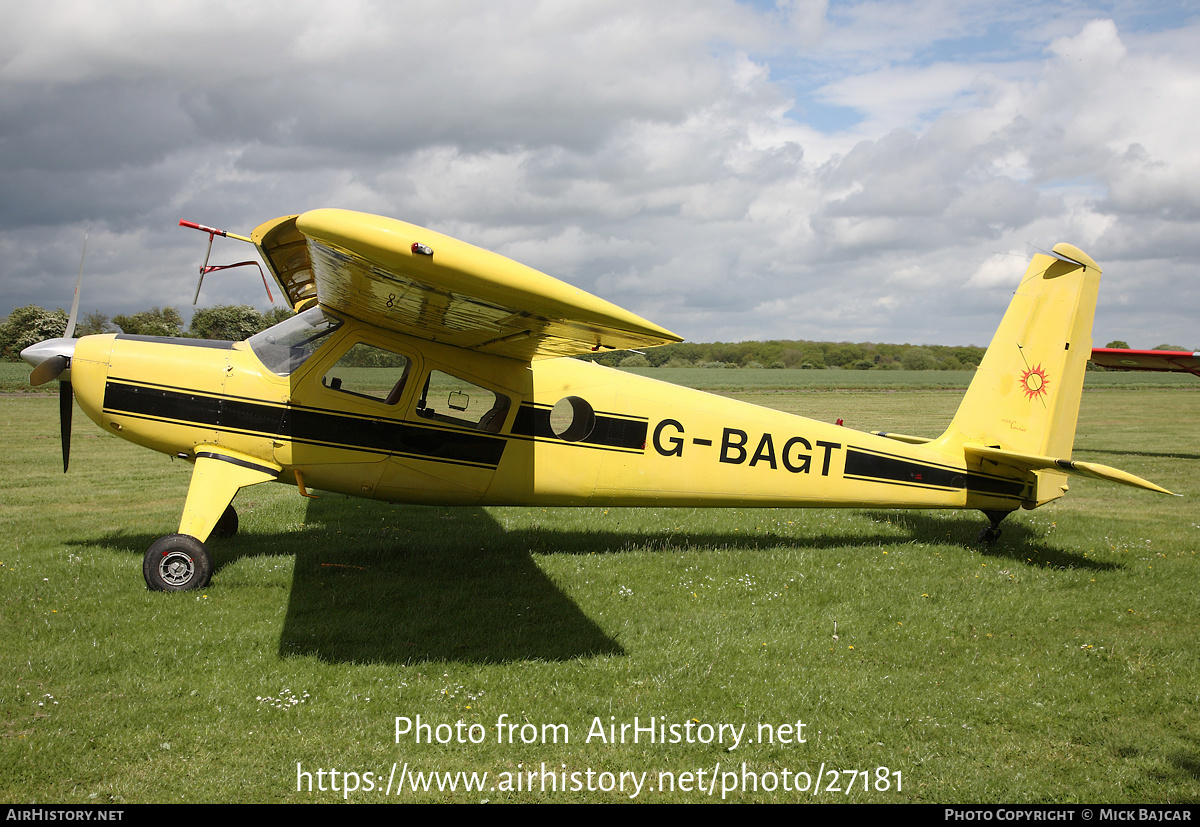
(1025, 394)
(1021, 408)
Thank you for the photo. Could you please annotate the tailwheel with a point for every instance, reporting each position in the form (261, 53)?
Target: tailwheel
(991, 534)
(227, 526)
(177, 563)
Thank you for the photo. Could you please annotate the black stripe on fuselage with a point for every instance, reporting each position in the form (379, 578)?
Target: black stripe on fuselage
(610, 431)
(312, 426)
(879, 467)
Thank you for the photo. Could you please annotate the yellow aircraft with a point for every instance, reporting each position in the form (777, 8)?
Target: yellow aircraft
(421, 369)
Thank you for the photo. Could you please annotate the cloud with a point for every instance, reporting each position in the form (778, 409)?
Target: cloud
(658, 155)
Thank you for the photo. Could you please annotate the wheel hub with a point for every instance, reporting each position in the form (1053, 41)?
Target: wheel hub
(176, 568)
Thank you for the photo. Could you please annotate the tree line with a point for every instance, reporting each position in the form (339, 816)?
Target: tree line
(793, 353)
(31, 324)
(788, 353)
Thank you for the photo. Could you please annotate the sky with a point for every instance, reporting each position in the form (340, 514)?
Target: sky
(837, 171)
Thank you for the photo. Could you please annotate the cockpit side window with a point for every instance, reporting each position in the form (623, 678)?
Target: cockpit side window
(371, 372)
(286, 346)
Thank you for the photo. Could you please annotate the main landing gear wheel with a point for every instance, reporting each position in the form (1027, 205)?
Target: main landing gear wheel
(227, 526)
(177, 563)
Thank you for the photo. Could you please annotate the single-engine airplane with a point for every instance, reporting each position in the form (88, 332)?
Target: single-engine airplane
(422, 369)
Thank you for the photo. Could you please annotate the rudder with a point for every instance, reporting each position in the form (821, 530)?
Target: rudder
(1026, 391)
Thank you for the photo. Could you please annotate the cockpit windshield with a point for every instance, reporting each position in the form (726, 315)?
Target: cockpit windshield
(287, 345)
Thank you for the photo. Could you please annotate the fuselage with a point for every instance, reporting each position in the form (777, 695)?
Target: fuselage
(371, 413)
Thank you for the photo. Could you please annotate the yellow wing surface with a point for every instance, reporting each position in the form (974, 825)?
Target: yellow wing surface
(411, 280)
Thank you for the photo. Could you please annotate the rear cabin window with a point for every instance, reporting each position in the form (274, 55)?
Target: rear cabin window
(455, 401)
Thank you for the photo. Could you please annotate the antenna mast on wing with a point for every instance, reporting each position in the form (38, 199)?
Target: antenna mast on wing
(205, 268)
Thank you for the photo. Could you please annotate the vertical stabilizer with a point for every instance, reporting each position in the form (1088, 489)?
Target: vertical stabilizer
(1025, 394)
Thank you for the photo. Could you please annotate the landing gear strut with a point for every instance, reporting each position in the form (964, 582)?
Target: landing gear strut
(227, 526)
(991, 534)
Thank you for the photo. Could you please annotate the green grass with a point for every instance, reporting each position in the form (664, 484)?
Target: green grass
(1059, 665)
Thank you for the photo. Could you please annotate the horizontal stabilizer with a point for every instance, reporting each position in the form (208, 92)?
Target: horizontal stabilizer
(1034, 462)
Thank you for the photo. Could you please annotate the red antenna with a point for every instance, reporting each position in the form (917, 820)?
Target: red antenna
(205, 268)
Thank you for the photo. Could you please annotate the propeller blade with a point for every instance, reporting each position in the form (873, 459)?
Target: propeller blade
(66, 402)
(48, 369)
(74, 317)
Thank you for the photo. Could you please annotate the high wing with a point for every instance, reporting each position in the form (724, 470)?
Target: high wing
(416, 281)
(1180, 361)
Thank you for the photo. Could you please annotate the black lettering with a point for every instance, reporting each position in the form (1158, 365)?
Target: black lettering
(739, 447)
(676, 449)
(828, 446)
(804, 459)
(765, 450)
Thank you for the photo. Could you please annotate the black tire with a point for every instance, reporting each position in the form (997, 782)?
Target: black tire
(989, 536)
(177, 563)
(227, 526)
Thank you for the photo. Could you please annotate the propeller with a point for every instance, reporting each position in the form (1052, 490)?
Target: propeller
(51, 359)
(50, 369)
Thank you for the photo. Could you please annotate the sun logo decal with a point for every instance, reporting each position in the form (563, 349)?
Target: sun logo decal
(1035, 382)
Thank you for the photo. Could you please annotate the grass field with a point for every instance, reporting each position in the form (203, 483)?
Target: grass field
(1059, 665)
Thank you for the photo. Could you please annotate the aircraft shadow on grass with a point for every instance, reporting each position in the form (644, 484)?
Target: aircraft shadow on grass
(379, 583)
(1187, 764)
(1019, 543)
